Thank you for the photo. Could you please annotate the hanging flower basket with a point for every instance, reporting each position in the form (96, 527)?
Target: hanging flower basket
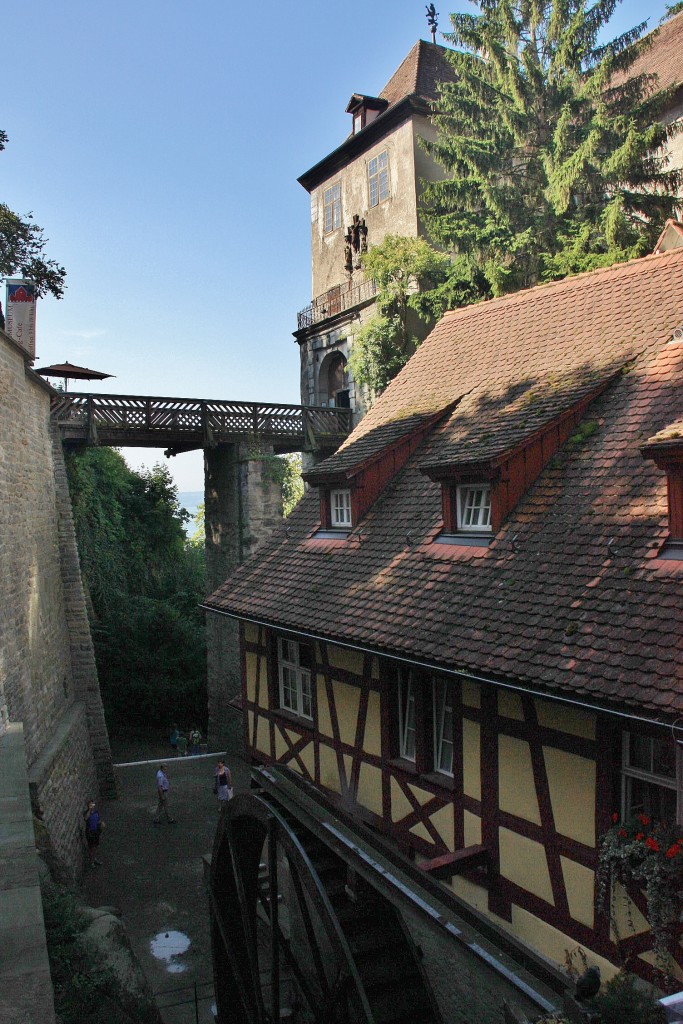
(649, 856)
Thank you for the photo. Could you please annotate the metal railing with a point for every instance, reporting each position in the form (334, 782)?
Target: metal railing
(335, 300)
(139, 419)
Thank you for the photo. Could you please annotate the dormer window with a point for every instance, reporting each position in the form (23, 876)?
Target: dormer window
(364, 109)
(340, 509)
(666, 451)
(474, 507)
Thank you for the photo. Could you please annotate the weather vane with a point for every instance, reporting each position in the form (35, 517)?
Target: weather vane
(432, 15)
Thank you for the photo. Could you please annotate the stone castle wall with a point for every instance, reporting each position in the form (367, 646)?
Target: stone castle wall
(48, 680)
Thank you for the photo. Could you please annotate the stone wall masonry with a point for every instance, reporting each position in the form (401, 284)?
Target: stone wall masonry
(83, 668)
(47, 667)
(64, 776)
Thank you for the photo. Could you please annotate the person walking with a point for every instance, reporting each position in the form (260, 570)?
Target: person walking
(93, 831)
(222, 786)
(195, 740)
(181, 744)
(162, 794)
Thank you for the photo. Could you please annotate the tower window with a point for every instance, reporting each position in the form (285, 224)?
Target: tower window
(378, 178)
(332, 207)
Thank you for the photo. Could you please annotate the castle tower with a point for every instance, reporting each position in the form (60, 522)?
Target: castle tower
(365, 189)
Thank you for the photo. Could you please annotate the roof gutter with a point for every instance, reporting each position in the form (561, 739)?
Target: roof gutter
(459, 674)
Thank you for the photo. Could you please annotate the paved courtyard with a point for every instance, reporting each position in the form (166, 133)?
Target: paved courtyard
(154, 873)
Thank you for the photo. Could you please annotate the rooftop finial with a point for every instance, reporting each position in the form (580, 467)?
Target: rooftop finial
(432, 15)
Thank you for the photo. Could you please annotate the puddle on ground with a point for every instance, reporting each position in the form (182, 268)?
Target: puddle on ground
(168, 946)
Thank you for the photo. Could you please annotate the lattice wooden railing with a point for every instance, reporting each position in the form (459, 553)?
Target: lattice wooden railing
(134, 419)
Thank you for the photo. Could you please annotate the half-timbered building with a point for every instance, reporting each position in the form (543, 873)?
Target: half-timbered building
(468, 634)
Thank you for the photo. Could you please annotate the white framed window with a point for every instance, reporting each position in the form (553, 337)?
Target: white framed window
(651, 777)
(294, 662)
(378, 178)
(474, 507)
(406, 715)
(332, 208)
(443, 727)
(340, 508)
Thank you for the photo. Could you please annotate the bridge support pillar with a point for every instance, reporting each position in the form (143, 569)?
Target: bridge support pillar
(243, 504)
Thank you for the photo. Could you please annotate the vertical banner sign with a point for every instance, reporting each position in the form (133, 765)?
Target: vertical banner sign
(20, 314)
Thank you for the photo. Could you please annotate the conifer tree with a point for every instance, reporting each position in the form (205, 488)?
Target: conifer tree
(552, 148)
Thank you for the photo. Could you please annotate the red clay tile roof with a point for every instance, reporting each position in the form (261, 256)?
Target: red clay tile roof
(569, 597)
(673, 434)
(664, 57)
(426, 65)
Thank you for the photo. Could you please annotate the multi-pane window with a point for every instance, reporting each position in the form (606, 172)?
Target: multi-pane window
(340, 508)
(332, 207)
(378, 178)
(294, 669)
(443, 727)
(474, 507)
(649, 777)
(406, 695)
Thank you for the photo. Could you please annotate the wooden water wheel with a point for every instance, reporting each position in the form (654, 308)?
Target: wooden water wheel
(296, 935)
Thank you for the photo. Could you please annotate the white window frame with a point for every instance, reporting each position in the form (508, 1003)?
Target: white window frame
(468, 508)
(407, 726)
(443, 710)
(378, 179)
(629, 771)
(296, 688)
(332, 206)
(340, 508)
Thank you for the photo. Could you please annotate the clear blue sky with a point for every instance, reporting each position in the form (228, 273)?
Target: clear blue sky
(158, 144)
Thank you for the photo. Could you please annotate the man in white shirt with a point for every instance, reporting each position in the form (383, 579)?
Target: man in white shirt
(162, 793)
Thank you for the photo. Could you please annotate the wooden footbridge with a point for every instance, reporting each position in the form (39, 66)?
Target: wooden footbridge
(185, 424)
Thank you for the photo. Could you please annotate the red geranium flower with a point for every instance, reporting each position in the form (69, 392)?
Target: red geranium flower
(622, 833)
(673, 851)
(640, 835)
(652, 844)
(643, 819)
(615, 817)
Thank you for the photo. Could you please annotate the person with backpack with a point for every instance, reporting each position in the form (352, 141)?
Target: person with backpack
(93, 831)
(195, 740)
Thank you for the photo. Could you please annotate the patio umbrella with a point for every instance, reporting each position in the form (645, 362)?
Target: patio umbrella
(70, 372)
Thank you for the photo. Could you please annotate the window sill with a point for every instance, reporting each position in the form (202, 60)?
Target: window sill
(465, 540)
(441, 780)
(332, 534)
(291, 716)
(404, 765)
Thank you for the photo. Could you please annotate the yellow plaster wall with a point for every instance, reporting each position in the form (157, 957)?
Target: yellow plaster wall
(370, 788)
(517, 789)
(564, 718)
(281, 746)
(262, 738)
(571, 780)
(510, 705)
(473, 894)
(626, 918)
(251, 666)
(372, 741)
(551, 942)
(400, 804)
(471, 758)
(421, 795)
(323, 716)
(251, 632)
(345, 658)
(579, 882)
(421, 832)
(329, 771)
(307, 755)
(523, 861)
(471, 829)
(471, 694)
(346, 701)
(444, 822)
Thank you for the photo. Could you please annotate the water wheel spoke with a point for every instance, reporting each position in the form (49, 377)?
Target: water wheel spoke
(245, 995)
(328, 1013)
(248, 926)
(308, 926)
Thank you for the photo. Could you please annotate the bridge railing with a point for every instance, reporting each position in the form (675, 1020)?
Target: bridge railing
(99, 415)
